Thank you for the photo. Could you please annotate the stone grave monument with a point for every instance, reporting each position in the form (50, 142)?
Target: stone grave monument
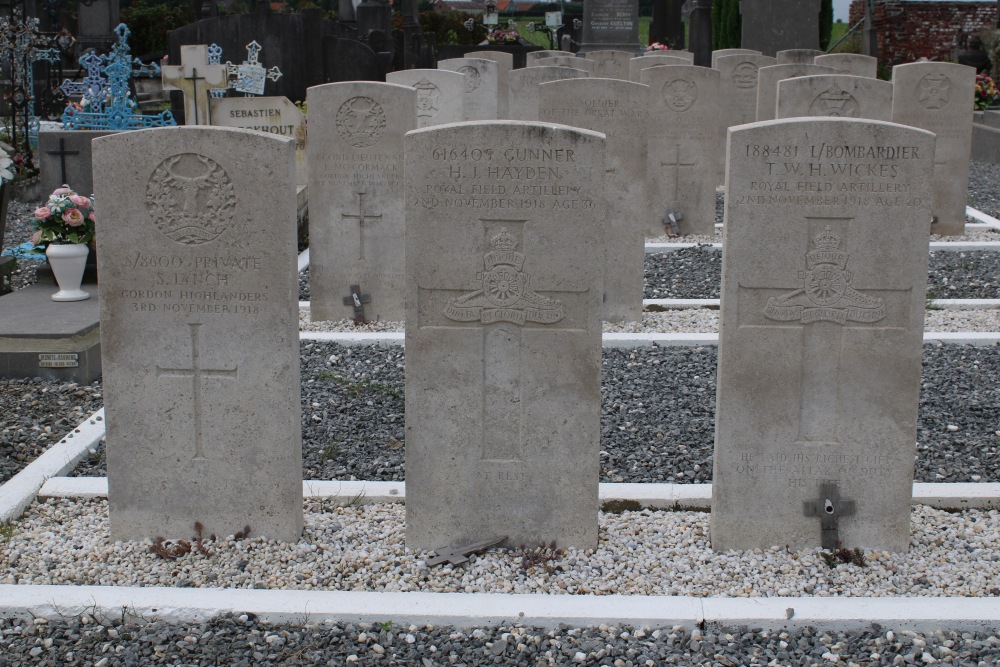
(636, 65)
(523, 94)
(505, 63)
(503, 332)
(610, 64)
(481, 85)
(64, 157)
(698, 15)
(935, 97)
(565, 61)
(798, 56)
(274, 115)
(777, 25)
(620, 110)
(738, 87)
(356, 208)
(610, 24)
(721, 53)
(767, 83)
(836, 95)
(532, 56)
(196, 247)
(824, 275)
(850, 63)
(440, 94)
(194, 77)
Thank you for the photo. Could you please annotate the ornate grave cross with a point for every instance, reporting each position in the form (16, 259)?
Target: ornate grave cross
(112, 107)
(829, 508)
(357, 300)
(250, 76)
(362, 217)
(198, 376)
(672, 216)
(94, 87)
(194, 77)
(502, 299)
(215, 58)
(459, 555)
(824, 306)
(62, 153)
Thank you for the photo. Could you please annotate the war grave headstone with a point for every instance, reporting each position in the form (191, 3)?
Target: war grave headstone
(738, 87)
(854, 64)
(196, 246)
(934, 96)
(274, 115)
(610, 24)
(821, 334)
(195, 77)
(356, 206)
(481, 86)
(721, 53)
(636, 65)
(684, 162)
(505, 63)
(523, 95)
(564, 61)
(837, 95)
(64, 157)
(798, 56)
(767, 83)
(440, 94)
(503, 331)
(776, 25)
(532, 56)
(610, 64)
(678, 53)
(620, 110)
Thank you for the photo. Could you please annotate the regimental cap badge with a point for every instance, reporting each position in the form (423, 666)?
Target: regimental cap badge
(504, 241)
(827, 250)
(504, 246)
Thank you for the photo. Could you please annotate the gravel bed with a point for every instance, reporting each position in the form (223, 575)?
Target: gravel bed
(18, 231)
(240, 640)
(657, 414)
(984, 188)
(35, 414)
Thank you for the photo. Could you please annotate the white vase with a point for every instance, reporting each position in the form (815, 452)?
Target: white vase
(68, 262)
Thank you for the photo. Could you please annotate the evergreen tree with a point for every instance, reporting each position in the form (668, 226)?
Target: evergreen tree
(726, 24)
(825, 23)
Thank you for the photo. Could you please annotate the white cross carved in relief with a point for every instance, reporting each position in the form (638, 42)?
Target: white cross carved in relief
(198, 375)
(362, 217)
(825, 305)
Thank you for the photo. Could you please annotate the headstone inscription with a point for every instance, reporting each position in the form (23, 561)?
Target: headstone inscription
(196, 246)
(610, 64)
(194, 77)
(767, 84)
(524, 83)
(850, 63)
(775, 25)
(505, 63)
(935, 96)
(636, 65)
(836, 95)
(356, 206)
(684, 162)
(798, 56)
(821, 334)
(738, 87)
(620, 110)
(565, 61)
(481, 85)
(440, 94)
(503, 331)
(721, 53)
(274, 115)
(610, 24)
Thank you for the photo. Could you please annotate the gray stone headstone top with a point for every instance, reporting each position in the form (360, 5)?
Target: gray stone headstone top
(523, 94)
(738, 86)
(798, 56)
(532, 56)
(721, 53)
(636, 65)
(482, 82)
(767, 83)
(835, 95)
(850, 63)
(564, 61)
(503, 331)
(505, 63)
(196, 248)
(610, 64)
(777, 25)
(440, 94)
(825, 252)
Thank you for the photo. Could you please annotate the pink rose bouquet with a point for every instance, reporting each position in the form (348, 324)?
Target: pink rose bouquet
(66, 218)
(657, 46)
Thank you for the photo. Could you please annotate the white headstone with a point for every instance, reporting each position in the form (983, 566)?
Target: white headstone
(738, 87)
(823, 283)
(610, 64)
(564, 61)
(356, 198)
(837, 95)
(734, 52)
(850, 63)
(440, 94)
(636, 65)
(797, 56)
(503, 334)
(935, 97)
(274, 115)
(684, 158)
(524, 82)
(481, 85)
(767, 84)
(199, 332)
(505, 63)
(620, 110)
(531, 56)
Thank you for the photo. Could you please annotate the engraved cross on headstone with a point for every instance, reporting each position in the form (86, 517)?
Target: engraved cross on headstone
(194, 77)
(825, 306)
(829, 508)
(62, 153)
(198, 375)
(362, 217)
(502, 306)
(672, 207)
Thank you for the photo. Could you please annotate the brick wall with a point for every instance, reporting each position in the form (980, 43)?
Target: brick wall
(911, 29)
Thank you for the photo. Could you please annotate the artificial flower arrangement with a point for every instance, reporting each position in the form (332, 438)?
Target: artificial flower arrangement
(504, 37)
(986, 92)
(66, 218)
(657, 46)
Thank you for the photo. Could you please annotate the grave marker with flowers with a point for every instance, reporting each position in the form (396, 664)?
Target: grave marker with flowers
(64, 230)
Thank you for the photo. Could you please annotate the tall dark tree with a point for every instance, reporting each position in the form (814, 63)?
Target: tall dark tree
(825, 23)
(726, 24)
